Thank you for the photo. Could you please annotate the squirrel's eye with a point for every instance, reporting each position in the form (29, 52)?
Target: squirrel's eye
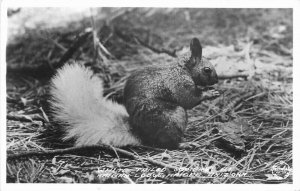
(207, 70)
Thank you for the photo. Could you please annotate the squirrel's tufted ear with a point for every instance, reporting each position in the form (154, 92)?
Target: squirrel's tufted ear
(196, 53)
(196, 48)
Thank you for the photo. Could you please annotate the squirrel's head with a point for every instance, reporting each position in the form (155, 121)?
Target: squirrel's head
(202, 71)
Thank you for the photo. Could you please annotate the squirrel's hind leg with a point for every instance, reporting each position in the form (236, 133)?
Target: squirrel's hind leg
(158, 123)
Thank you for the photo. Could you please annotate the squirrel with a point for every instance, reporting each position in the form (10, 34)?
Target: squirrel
(155, 102)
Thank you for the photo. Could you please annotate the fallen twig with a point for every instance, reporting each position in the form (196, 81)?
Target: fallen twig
(86, 149)
(78, 42)
(135, 39)
(156, 50)
(25, 118)
(223, 77)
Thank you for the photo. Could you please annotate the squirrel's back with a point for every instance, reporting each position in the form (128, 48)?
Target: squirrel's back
(89, 118)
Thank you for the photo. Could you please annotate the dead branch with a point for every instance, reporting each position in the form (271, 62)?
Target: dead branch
(156, 50)
(136, 39)
(223, 77)
(25, 118)
(75, 46)
(88, 149)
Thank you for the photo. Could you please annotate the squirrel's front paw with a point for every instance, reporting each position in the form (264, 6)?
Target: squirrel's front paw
(211, 94)
(188, 145)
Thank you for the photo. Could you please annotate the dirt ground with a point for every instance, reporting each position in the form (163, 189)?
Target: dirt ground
(244, 136)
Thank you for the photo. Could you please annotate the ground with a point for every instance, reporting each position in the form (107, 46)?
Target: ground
(244, 136)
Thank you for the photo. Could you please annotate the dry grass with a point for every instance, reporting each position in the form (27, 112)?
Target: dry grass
(261, 105)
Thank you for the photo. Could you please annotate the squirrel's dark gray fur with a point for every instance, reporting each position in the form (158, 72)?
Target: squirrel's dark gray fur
(157, 97)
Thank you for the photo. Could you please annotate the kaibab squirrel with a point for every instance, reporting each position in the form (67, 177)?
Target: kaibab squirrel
(156, 99)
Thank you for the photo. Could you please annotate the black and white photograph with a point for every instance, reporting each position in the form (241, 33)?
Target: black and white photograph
(148, 95)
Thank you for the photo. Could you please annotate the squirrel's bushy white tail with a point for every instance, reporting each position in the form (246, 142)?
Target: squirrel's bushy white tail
(89, 118)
